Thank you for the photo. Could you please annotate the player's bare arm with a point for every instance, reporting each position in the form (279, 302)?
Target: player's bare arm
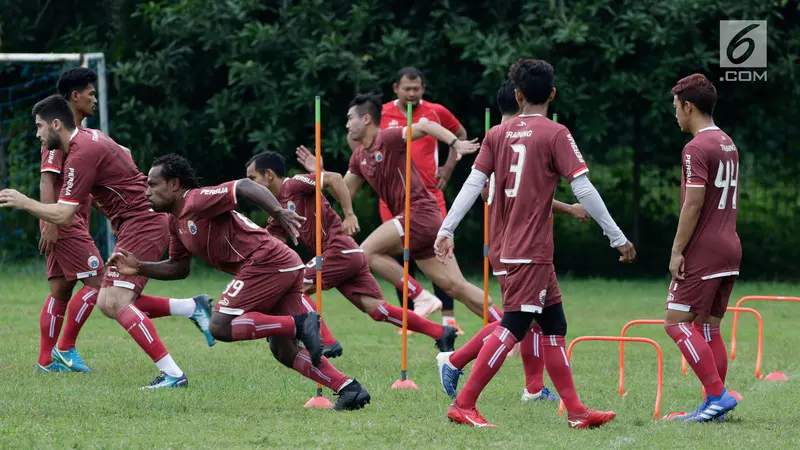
(335, 184)
(576, 210)
(308, 160)
(442, 134)
(170, 269)
(47, 195)
(690, 213)
(466, 197)
(353, 183)
(250, 190)
(55, 213)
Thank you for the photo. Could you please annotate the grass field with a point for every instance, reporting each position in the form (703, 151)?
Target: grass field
(239, 397)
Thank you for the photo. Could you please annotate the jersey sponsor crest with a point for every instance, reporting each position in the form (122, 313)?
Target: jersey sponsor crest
(378, 156)
(94, 262)
(291, 206)
(192, 227)
(214, 191)
(543, 296)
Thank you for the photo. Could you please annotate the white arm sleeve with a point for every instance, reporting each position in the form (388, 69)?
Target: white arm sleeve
(590, 199)
(464, 201)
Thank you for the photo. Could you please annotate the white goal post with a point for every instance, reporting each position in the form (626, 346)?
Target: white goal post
(102, 90)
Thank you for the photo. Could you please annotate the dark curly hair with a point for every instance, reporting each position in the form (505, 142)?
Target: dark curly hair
(177, 167)
(535, 78)
(75, 79)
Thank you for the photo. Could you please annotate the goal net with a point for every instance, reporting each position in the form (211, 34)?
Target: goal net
(24, 80)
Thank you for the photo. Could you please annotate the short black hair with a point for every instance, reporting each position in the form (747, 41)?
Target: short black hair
(55, 107)
(176, 166)
(368, 104)
(75, 79)
(269, 160)
(507, 99)
(411, 72)
(535, 78)
(699, 90)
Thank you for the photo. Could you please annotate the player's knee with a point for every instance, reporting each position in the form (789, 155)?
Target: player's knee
(284, 350)
(517, 322)
(61, 289)
(552, 321)
(220, 327)
(107, 305)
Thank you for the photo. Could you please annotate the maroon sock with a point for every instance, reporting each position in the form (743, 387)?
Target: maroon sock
(532, 361)
(555, 360)
(414, 288)
(153, 307)
(325, 374)
(698, 354)
(255, 325)
(327, 337)
(489, 360)
(470, 350)
(50, 320)
(142, 330)
(712, 335)
(394, 315)
(78, 311)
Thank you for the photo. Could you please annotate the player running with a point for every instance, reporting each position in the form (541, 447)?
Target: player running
(379, 158)
(97, 166)
(706, 252)
(264, 299)
(344, 265)
(71, 252)
(527, 155)
(409, 87)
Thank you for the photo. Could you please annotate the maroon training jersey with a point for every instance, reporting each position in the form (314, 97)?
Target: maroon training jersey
(97, 166)
(711, 160)
(527, 154)
(53, 162)
(209, 227)
(298, 194)
(383, 165)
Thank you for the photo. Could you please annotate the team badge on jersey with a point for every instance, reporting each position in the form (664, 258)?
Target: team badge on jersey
(94, 262)
(290, 206)
(543, 296)
(378, 156)
(192, 227)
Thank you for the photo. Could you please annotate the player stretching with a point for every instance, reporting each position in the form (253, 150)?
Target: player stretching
(71, 252)
(264, 299)
(706, 252)
(409, 86)
(527, 155)
(97, 166)
(379, 157)
(344, 265)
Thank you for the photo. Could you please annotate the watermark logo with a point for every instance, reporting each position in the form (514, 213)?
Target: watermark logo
(743, 50)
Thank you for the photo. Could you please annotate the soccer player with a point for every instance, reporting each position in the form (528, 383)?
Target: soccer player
(409, 87)
(264, 299)
(379, 158)
(706, 252)
(97, 166)
(344, 265)
(527, 155)
(71, 252)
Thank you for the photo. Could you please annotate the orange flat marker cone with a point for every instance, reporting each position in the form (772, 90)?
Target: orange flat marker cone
(318, 402)
(777, 377)
(405, 384)
(735, 395)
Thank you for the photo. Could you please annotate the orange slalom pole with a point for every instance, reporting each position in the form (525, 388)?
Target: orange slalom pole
(624, 339)
(749, 298)
(487, 122)
(404, 382)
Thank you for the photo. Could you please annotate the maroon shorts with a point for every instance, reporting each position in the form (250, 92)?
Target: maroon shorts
(348, 271)
(386, 215)
(74, 257)
(530, 288)
(147, 237)
(260, 286)
(499, 271)
(699, 296)
(423, 228)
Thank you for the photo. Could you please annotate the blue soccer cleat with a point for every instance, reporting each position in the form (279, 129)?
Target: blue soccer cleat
(71, 359)
(201, 317)
(544, 394)
(714, 408)
(166, 381)
(53, 367)
(448, 374)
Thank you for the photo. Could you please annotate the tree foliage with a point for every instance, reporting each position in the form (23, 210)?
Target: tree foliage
(220, 80)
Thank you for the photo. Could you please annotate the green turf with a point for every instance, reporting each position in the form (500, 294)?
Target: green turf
(239, 397)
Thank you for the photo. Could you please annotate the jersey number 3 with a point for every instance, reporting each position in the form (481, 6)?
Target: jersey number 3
(731, 179)
(516, 169)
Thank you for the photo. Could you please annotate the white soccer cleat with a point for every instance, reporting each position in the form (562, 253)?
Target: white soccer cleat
(426, 303)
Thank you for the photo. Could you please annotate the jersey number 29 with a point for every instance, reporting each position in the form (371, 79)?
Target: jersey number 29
(731, 179)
